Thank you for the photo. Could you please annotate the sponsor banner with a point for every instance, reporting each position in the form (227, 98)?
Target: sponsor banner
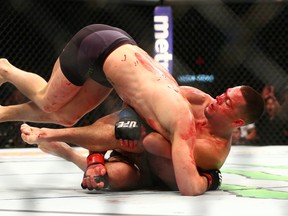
(163, 34)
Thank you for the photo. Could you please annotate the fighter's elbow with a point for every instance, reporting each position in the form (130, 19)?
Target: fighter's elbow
(192, 193)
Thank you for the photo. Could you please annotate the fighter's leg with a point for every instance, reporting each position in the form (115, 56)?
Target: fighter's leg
(98, 137)
(59, 91)
(63, 150)
(48, 96)
(90, 95)
(26, 82)
(27, 112)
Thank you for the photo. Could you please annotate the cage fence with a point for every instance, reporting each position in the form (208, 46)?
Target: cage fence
(216, 45)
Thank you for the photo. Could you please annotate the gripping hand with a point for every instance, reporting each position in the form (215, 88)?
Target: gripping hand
(95, 176)
(129, 126)
(214, 178)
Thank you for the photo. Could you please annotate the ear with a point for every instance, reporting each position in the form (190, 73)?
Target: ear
(238, 122)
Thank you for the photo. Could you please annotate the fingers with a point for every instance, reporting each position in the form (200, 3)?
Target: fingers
(94, 177)
(131, 144)
(90, 184)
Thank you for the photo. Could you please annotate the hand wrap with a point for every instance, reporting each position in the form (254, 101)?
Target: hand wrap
(95, 158)
(214, 178)
(92, 159)
(129, 126)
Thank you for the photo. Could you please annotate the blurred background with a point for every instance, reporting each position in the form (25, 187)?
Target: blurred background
(217, 44)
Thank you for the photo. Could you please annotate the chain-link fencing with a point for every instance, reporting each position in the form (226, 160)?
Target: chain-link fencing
(217, 44)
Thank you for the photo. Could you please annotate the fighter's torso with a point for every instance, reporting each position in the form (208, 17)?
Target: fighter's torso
(211, 150)
(153, 93)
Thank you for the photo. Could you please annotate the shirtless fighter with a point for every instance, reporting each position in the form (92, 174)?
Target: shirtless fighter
(101, 134)
(210, 151)
(100, 58)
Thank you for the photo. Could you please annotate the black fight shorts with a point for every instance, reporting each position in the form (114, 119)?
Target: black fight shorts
(84, 55)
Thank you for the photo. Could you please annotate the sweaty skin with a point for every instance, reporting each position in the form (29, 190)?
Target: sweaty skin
(141, 91)
(146, 86)
(139, 98)
(210, 150)
(212, 144)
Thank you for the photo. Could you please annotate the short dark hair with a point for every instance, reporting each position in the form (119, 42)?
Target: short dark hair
(254, 104)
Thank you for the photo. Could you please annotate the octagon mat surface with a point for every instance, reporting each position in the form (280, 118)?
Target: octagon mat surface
(255, 182)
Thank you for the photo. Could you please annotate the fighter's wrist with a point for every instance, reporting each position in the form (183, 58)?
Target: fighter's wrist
(214, 179)
(95, 158)
(208, 179)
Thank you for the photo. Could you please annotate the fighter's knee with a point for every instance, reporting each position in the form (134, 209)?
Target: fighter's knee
(50, 108)
(64, 119)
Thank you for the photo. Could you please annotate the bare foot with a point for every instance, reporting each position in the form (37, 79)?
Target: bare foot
(4, 68)
(32, 135)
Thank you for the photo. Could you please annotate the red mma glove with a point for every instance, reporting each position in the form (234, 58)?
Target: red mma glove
(94, 161)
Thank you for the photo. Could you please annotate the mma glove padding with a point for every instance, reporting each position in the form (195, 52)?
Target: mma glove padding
(92, 159)
(129, 125)
(214, 178)
(95, 158)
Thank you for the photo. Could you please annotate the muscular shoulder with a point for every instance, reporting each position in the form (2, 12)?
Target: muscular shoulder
(194, 95)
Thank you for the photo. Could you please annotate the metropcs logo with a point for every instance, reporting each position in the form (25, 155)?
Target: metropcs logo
(163, 37)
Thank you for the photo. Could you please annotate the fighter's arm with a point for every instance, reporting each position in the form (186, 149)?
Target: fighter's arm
(156, 144)
(208, 156)
(189, 182)
(181, 148)
(180, 123)
(196, 169)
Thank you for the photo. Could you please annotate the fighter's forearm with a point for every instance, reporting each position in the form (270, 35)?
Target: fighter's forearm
(189, 182)
(157, 145)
